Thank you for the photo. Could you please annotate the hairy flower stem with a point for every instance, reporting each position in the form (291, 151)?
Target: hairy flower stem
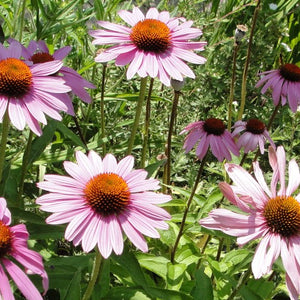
(22, 19)
(5, 127)
(241, 282)
(102, 109)
(167, 167)
(24, 169)
(233, 78)
(247, 62)
(189, 202)
(147, 124)
(137, 114)
(95, 273)
(79, 130)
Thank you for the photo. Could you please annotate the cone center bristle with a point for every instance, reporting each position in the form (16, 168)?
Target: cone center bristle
(5, 239)
(255, 126)
(41, 57)
(290, 72)
(15, 78)
(107, 193)
(151, 36)
(214, 126)
(282, 215)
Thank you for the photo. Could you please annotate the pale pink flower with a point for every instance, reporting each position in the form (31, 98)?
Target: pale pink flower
(13, 253)
(284, 83)
(154, 45)
(273, 216)
(101, 199)
(28, 92)
(38, 52)
(210, 133)
(255, 134)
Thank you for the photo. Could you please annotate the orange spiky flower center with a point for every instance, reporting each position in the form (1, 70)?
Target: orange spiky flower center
(282, 214)
(151, 36)
(107, 194)
(6, 237)
(15, 78)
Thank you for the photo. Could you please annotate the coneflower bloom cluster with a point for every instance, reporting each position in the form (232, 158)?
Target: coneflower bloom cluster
(210, 133)
(101, 199)
(155, 45)
(266, 213)
(254, 134)
(27, 93)
(13, 253)
(284, 83)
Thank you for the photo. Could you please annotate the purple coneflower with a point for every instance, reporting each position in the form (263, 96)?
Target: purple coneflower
(284, 83)
(273, 216)
(255, 134)
(28, 92)
(154, 45)
(213, 133)
(101, 199)
(14, 252)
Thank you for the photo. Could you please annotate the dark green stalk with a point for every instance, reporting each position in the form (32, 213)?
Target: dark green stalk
(5, 127)
(247, 62)
(95, 273)
(167, 167)
(138, 112)
(189, 202)
(24, 168)
(102, 109)
(147, 124)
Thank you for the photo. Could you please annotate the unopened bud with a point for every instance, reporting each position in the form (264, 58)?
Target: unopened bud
(240, 32)
(177, 85)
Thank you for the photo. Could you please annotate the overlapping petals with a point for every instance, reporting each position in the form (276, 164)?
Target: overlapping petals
(87, 226)
(251, 195)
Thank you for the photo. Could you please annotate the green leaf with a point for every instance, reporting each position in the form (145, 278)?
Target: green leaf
(203, 289)
(74, 291)
(175, 275)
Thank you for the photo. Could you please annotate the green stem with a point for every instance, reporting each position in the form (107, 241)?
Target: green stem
(167, 167)
(5, 127)
(241, 282)
(247, 62)
(22, 19)
(233, 78)
(147, 124)
(24, 168)
(173, 252)
(102, 109)
(137, 114)
(95, 272)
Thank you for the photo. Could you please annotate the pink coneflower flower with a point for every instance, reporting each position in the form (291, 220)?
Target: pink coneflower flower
(255, 134)
(155, 45)
(213, 133)
(27, 92)
(101, 199)
(13, 245)
(273, 216)
(285, 84)
(38, 52)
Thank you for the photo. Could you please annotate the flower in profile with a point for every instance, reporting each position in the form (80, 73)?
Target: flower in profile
(27, 93)
(154, 45)
(255, 134)
(273, 216)
(101, 199)
(38, 52)
(213, 133)
(13, 252)
(284, 83)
